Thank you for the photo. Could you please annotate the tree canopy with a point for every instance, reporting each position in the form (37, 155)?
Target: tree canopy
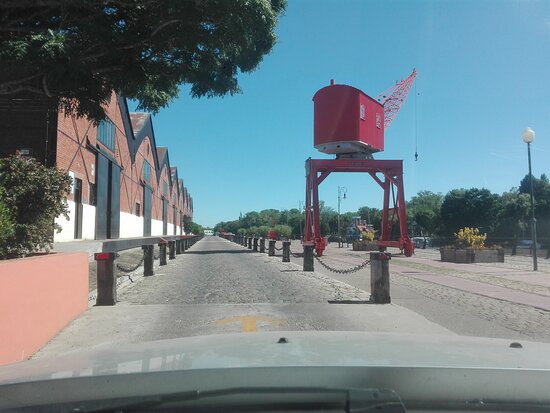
(79, 51)
(424, 210)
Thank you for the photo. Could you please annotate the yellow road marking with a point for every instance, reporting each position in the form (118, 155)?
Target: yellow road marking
(249, 322)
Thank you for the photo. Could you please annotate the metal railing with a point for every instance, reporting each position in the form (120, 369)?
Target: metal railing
(107, 266)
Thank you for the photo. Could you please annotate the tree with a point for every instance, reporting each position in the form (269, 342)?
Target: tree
(78, 51)
(513, 214)
(425, 210)
(282, 230)
(196, 229)
(33, 195)
(473, 207)
(541, 194)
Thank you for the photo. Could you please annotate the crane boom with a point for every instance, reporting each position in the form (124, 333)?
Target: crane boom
(394, 97)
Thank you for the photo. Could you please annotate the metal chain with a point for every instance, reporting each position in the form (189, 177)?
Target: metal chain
(126, 269)
(346, 271)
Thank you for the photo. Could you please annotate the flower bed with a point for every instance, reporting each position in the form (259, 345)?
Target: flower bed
(471, 256)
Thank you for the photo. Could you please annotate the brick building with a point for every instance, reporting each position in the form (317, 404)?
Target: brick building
(123, 184)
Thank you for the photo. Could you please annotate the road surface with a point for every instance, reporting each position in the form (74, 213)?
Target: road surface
(218, 286)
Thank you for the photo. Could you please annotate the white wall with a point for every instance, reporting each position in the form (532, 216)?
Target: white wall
(156, 227)
(88, 221)
(67, 225)
(130, 225)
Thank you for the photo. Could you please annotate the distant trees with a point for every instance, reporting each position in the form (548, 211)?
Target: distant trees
(503, 217)
(469, 208)
(424, 209)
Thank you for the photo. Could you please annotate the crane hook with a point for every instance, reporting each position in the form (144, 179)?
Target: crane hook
(416, 156)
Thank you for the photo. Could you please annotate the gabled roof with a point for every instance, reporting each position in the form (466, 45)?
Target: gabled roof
(126, 121)
(162, 155)
(174, 176)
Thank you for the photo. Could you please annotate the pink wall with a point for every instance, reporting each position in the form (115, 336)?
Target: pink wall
(38, 297)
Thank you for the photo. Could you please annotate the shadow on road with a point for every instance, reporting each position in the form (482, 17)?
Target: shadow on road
(219, 252)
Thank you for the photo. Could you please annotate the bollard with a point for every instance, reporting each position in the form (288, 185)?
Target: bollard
(182, 246)
(249, 243)
(148, 258)
(380, 277)
(186, 244)
(262, 245)
(271, 251)
(308, 257)
(162, 253)
(255, 244)
(172, 250)
(178, 246)
(286, 251)
(106, 278)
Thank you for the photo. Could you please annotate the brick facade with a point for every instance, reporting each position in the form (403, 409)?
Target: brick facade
(76, 147)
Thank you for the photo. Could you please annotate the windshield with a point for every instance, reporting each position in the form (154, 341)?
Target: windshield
(189, 169)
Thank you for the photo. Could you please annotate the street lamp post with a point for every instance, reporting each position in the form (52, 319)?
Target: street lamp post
(341, 195)
(528, 136)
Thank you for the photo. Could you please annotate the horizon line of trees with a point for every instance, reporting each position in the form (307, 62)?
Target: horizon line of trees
(429, 214)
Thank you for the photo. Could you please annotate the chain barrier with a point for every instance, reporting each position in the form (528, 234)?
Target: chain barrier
(126, 269)
(346, 271)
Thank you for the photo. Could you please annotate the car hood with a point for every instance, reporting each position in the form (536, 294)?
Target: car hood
(286, 349)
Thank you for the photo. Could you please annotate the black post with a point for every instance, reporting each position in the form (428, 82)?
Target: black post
(162, 253)
(380, 278)
(308, 257)
(271, 251)
(286, 251)
(106, 280)
(533, 219)
(148, 258)
(172, 250)
(262, 245)
(255, 244)
(249, 243)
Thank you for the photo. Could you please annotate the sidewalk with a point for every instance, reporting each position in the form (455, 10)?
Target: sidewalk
(510, 281)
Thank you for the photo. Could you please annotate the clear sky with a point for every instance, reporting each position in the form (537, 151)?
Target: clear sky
(483, 76)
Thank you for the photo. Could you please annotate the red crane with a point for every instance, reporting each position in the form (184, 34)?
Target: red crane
(350, 125)
(394, 97)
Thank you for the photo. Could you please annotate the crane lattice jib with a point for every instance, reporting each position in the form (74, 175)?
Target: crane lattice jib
(394, 97)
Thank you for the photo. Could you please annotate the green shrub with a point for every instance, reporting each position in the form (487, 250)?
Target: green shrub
(6, 226)
(283, 231)
(252, 231)
(263, 230)
(33, 195)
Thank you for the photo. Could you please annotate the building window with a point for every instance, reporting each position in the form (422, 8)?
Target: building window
(138, 209)
(146, 171)
(93, 194)
(106, 133)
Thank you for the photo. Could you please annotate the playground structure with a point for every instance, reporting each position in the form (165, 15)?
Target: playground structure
(350, 125)
(357, 229)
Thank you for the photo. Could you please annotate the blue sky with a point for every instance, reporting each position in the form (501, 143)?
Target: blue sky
(483, 69)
